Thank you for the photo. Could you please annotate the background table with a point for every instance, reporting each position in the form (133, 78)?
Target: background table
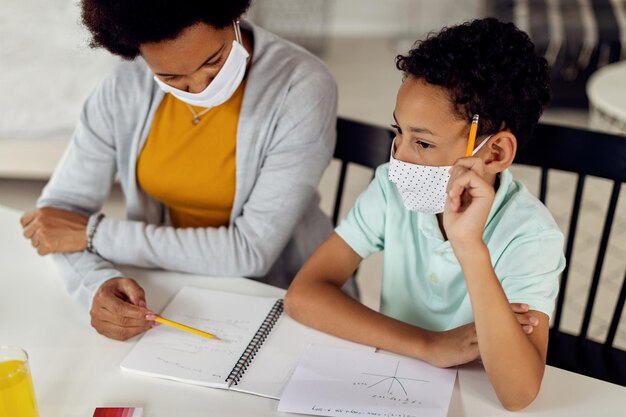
(606, 90)
(76, 370)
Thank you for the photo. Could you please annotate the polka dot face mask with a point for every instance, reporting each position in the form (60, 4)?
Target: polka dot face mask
(422, 187)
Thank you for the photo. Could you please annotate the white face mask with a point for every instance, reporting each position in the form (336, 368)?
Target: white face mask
(225, 83)
(423, 188)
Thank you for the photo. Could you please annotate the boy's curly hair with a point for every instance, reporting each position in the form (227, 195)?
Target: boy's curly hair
(120, 26)
(489, 68)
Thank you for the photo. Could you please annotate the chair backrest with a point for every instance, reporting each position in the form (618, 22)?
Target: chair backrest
(362, 144)
(585, 153)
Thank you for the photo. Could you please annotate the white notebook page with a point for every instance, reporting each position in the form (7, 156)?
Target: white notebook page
(174, 354)
(339, 382)
(277, 359)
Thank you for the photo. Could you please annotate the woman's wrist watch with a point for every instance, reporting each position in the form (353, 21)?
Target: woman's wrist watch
(92, 226)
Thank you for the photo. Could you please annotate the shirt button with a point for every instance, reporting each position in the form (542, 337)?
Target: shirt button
(433, 279)
(438, 253)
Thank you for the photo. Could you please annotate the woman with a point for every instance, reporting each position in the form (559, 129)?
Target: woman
(219, 132)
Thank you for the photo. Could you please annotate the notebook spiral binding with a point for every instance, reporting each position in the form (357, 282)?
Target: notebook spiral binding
(255, 344)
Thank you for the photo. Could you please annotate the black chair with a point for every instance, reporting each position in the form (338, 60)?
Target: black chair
(362, 144)
(587, 154)
(582, 152)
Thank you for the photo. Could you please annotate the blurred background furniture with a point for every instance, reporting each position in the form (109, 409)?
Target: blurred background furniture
(575, 36)
(47, 70)
(606, 90)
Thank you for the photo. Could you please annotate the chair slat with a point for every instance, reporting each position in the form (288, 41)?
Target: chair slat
(362, 144)
(617, 314)
(571, 235)
(608, 223)
(543, 186)
(339, 195)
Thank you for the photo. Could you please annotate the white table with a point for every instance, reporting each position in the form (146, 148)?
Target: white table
(606, 90)
(75, 369)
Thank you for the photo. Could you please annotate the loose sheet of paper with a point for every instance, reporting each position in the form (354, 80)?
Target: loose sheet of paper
(278, 358)
(338, 382)
(171, 353)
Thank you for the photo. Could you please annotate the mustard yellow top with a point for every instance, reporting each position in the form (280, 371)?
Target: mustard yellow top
(191, 168)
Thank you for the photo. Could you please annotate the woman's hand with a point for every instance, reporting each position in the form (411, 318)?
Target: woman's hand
(469, 201)
(53, 230)
(119, 309)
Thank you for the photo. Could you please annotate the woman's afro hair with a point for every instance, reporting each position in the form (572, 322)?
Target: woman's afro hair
(120, 26)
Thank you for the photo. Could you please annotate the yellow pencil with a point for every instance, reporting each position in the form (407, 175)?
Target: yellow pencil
(162, 320)
(472, 136)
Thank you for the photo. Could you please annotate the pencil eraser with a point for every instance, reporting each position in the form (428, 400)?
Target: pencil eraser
(118, 412)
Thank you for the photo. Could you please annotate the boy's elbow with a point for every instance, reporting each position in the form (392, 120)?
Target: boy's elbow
(292, 300)
(521, 399)
(516, 405)
(297, 303)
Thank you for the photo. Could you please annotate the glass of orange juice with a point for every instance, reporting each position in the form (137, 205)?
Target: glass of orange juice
(17, 396)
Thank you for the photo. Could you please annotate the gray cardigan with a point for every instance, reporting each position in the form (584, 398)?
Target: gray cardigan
(285, 140)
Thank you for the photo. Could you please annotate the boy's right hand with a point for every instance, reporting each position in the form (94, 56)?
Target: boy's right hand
(453, 347)
(460, 345)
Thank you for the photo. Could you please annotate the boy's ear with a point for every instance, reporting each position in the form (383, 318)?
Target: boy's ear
(499, 152)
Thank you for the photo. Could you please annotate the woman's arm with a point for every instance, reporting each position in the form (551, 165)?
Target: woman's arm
(78, 187)
(294, 157)
(293, 161)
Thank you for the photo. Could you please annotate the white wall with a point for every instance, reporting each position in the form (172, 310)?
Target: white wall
(379, 18)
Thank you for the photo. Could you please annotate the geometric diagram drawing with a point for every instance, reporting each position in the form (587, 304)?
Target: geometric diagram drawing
(394, 378)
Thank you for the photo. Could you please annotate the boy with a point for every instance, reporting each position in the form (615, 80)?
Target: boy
(460, 242)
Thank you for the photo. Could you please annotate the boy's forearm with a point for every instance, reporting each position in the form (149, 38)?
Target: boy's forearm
(513, 363)
(325, 307)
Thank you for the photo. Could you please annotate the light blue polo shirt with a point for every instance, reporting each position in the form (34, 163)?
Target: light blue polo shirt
(422, 280)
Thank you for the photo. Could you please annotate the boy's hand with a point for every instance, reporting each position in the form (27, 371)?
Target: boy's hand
(469, 201)
(460, 345)
(453, 347)
(528, 322)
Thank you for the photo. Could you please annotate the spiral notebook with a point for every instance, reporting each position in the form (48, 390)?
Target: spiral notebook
(259, 350)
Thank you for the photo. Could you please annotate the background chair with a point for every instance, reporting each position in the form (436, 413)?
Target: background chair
(581, 152)
(586, 154)
(362, 144)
